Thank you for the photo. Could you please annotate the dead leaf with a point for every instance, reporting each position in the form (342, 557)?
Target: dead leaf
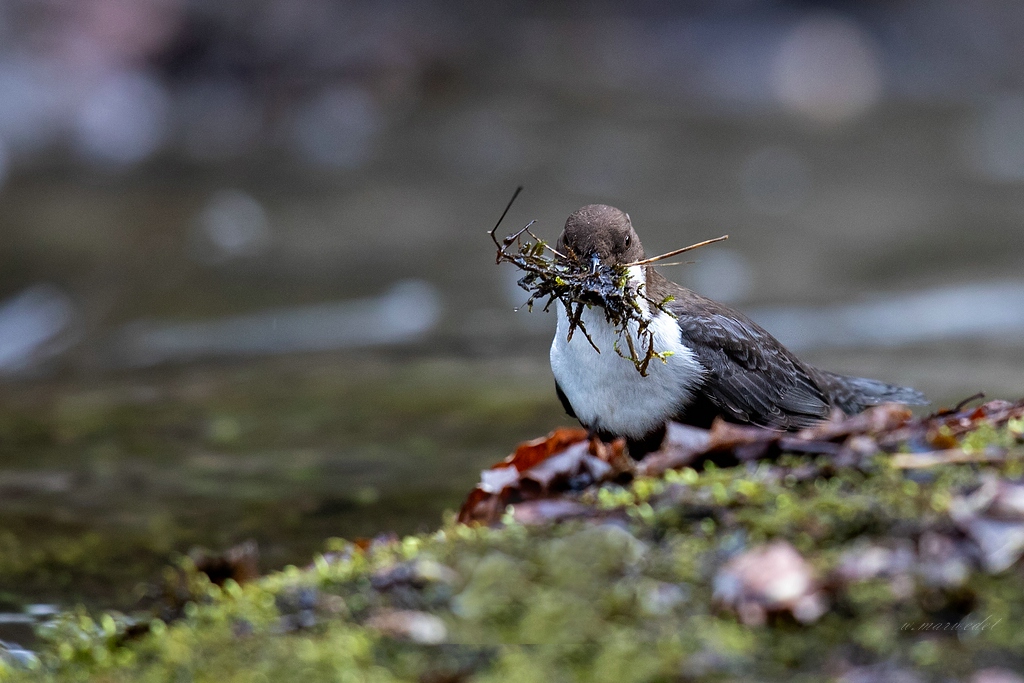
(883, 418)
(563, 461)
(680, 448)
(769, 579)
(533, 452)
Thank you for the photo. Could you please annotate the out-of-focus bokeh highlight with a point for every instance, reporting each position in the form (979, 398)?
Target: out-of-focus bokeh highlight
(192, 186)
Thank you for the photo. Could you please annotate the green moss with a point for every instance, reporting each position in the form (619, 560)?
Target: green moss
(623, 597)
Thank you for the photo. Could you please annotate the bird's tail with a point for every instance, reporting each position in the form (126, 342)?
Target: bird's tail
(854, 394)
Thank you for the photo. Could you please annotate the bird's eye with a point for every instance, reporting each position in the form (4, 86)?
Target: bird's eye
(629, 238)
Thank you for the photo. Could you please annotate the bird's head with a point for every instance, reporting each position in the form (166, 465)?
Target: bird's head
(599, 234)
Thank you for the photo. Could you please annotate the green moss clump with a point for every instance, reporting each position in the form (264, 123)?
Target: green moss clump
(625, 594)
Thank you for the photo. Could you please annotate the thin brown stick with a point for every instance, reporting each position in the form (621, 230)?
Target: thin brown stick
(952, 456)
(545, 244)
(958, 407)
(676, 252)
(492, 231)
(675, 263)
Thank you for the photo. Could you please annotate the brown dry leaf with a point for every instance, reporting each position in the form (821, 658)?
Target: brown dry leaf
(957, 423)
(565, 461)
(533, 452)
(680, 448)
(481, 506)
(562, 461)
(556, 473)
(883, 418)
(613, 453)
(728, 436)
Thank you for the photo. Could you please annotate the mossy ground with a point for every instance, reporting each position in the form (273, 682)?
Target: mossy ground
(623, 596)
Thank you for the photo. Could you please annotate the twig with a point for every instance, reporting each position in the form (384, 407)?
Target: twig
(579, 286)
(676, 252)
(504, 213)
(958, 407)
(675, 263)
(951, 456)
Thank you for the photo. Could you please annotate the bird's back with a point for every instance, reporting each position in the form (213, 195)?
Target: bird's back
(752, 378)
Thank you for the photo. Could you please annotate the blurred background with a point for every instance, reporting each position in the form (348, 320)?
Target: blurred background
(245, 285)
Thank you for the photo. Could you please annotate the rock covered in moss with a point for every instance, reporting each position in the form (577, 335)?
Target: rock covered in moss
(855, 570)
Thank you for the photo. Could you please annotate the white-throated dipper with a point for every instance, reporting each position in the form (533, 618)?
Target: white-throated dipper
(722, 364)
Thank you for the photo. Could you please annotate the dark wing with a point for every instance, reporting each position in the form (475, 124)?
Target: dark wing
(564, 399)
(750, 376)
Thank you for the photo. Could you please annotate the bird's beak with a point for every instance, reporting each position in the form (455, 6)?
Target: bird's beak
(595, 262)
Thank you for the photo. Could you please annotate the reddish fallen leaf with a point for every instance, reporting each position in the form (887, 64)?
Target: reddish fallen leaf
(557, 472)
(564, 463)
(481, 506)
(533, 452)
(564, 460)
(954, 424)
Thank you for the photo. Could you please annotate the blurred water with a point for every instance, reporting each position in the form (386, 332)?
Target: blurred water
(947, 314)
(408, 311)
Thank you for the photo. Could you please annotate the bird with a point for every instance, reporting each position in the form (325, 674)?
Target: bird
(721, 364)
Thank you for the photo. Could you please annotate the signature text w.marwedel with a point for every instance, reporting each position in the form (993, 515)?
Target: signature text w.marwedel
(965, 624)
